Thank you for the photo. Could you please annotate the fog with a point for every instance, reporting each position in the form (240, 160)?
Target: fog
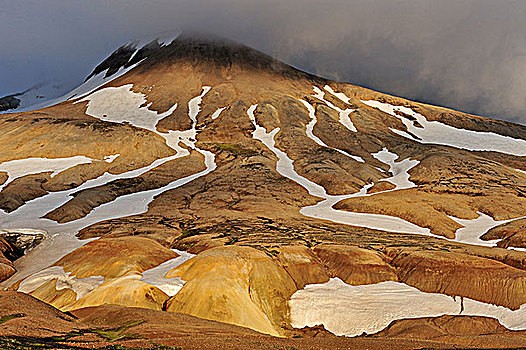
(468, 55)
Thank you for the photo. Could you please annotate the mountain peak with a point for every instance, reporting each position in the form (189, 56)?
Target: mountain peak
(196, 48)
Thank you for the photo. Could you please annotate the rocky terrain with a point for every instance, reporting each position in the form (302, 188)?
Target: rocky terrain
(28, 323)
(196, 193)
(9, 102)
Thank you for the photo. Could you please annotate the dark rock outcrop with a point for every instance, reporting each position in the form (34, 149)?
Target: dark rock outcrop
(9, 102)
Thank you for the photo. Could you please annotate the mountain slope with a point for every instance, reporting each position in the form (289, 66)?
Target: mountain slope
(290, 189)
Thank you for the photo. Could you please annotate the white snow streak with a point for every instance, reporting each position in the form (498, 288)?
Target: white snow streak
(339, 95)
(22, 167)
(310, 132)
(399, 170)
(62, 236)
(156, 276)
(345, 120)
(217, 113)
(474, 229)
(81, 286)
(324, 209)
(111, 158)
(194, 105)
(442, 134)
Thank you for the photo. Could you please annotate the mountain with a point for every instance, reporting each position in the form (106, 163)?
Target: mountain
(46, 94)
(198, 176)
(32, 96)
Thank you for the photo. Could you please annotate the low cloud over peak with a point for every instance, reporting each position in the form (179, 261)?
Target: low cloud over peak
(469, 55)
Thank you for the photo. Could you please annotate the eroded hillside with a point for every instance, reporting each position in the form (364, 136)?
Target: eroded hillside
(209, 179)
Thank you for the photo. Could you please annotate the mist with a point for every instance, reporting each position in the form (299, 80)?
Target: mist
(469, 55)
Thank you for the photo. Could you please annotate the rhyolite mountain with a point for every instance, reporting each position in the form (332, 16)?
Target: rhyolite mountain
(198, 176)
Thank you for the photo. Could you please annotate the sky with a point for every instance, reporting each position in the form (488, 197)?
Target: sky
(465, 54)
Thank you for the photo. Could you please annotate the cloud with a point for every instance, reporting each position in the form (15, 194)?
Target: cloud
(466, 54)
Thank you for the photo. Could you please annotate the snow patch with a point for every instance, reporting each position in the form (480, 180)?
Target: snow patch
(37, 94)
(310, 132)
(351, 310)
(22, 167)
(217, 113)
(90, 85)
(132, 112)
(345, 120)
(339, 95)
(156, 276)
(35, 98)
(62, 236)
(194, 105)
(96, 82)
(81, 286)
(164, 39)
(121, 104)
(399, 169)
(284, 165)
(111, 158)
(442, 134)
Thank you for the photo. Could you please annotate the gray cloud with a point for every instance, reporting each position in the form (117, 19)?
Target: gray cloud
(466, 54)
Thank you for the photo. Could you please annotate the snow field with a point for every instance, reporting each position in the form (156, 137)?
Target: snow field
(351, 310)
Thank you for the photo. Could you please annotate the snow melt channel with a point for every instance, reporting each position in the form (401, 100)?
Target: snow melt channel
(345, 118)
(400, 170)
(310, 132)
(324, 209)
(442, 134)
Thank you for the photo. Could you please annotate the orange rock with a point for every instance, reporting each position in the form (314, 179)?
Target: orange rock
(7, 268)
(512, 234)
(355, 265)
(237, 285)
(115, 257)
(302, 265)
(460, 274)
(464, 331)
(381, 186)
